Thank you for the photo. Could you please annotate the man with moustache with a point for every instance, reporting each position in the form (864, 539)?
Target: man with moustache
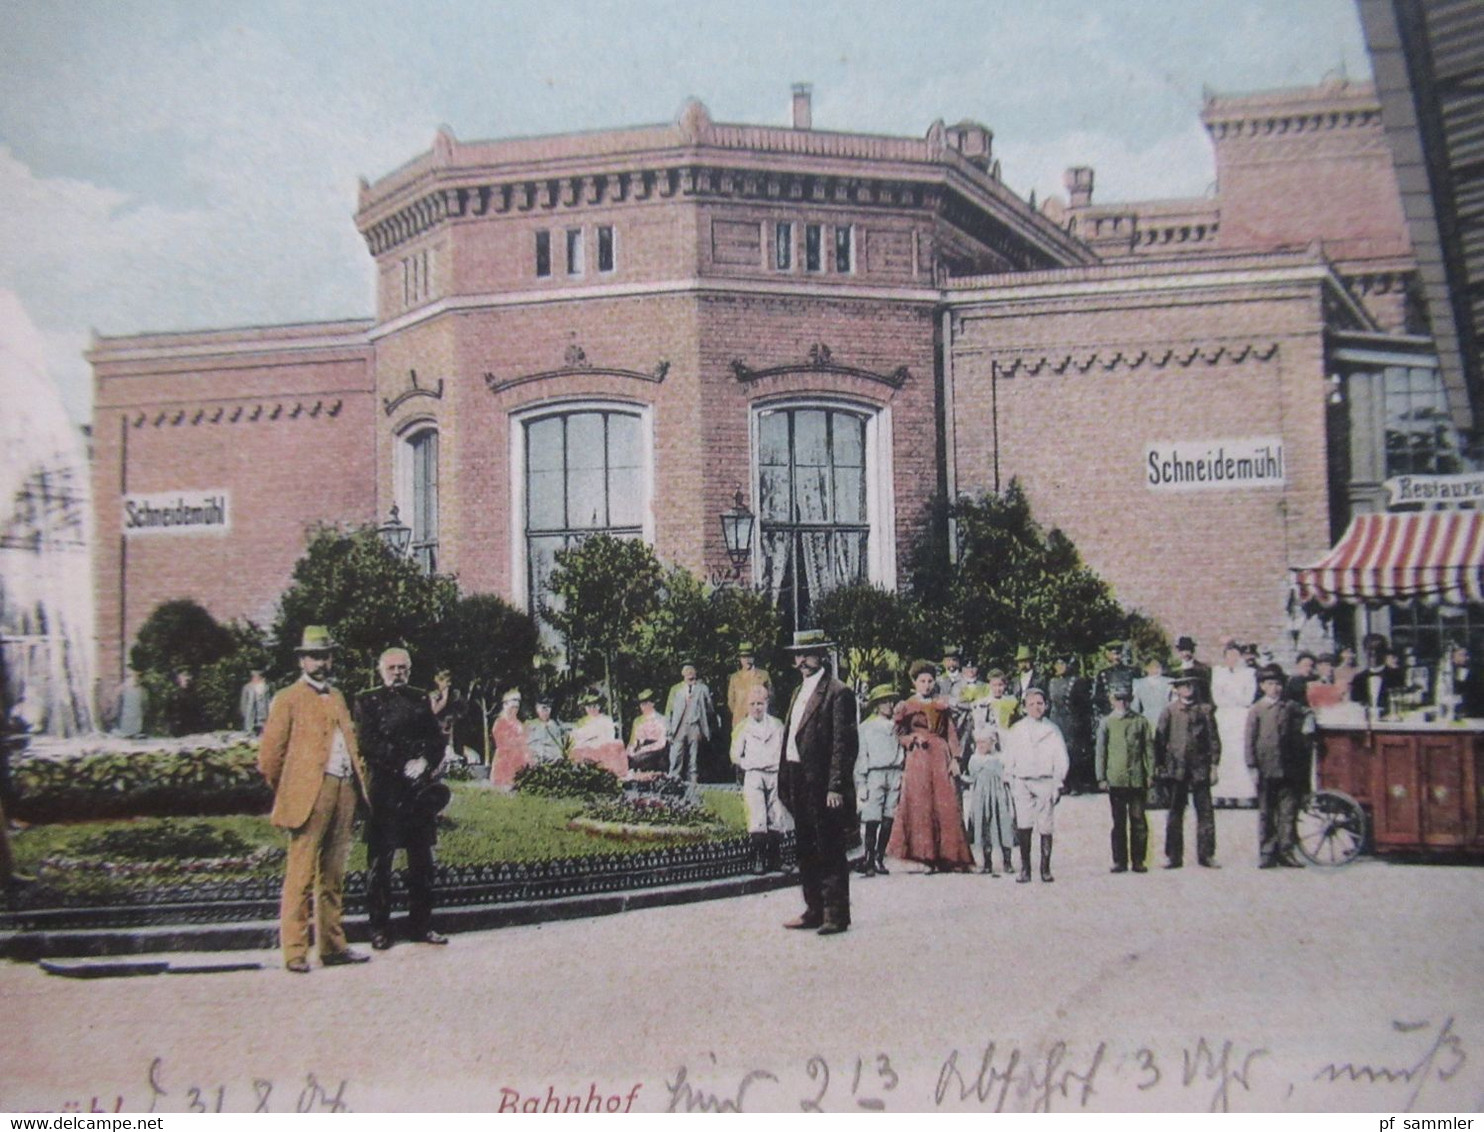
(308, 755)
(403, 745)
(816, 783)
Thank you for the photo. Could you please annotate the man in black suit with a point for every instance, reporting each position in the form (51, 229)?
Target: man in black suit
(1376, 683)
(402, 744)
(816, 783)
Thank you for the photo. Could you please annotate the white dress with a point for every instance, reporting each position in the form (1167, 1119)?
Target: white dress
(1233, 691)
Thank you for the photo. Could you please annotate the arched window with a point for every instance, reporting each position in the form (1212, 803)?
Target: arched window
(582, 470)
(819, 508)
(417, 492)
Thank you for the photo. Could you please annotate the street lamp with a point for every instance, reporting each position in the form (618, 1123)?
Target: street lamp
(736, 532)
(396, 534)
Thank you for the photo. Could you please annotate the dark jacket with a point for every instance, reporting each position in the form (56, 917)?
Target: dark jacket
(1393, 681)
(396, 726)
(828, 745)
(1276, 746)
(1187, 746)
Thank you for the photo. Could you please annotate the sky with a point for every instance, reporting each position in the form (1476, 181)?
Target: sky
(179, 164)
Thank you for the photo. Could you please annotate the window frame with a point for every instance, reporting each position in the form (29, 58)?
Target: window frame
(543, 253)
(783, 245)
(610, 233)
(519, 420)
(879, 560)
(408, 460)
(813, 248)
(576, 252)
(848, 232)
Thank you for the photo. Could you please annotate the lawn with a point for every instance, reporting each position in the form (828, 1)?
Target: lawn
(480, 826)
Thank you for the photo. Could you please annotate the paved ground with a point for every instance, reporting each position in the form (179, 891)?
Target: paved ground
(1357, 988)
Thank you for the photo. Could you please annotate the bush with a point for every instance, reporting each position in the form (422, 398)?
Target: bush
(136, 784)
(565, 779)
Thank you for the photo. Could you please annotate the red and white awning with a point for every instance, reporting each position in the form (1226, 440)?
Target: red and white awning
(1437, 556)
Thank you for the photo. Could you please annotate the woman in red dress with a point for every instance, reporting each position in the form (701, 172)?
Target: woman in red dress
(929, 828)
(509, 735)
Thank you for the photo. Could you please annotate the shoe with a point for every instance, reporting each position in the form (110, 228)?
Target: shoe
(430, 936)
(881, 867)
(805, 923)
(1267, 864)
(1290, 863)
(1208, 864)
(344, 958)
(297, 966)
(1119, 869)
(1141, 868)
(832, 929)
(380, 941)
(1174, 864)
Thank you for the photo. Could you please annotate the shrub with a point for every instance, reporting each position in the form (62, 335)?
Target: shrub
(163, 783)
(565, 779)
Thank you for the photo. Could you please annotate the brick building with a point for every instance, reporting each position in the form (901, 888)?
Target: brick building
(620, 330)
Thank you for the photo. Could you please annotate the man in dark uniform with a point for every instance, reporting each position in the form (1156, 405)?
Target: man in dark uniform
(1114, 672)
(1187, 754)
(816, 783)
(402, 744)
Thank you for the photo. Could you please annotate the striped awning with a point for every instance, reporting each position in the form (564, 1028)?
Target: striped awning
(1437, 556)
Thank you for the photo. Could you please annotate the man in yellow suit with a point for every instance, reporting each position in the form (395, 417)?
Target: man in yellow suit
(309, 757)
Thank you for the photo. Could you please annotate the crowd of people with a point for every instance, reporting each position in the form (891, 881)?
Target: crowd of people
(962, 770)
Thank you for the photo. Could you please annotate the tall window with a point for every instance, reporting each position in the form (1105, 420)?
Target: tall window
(574, 251)
(844, 247)
(543, 253)
(813, 255)
(783, 246)
(812, 505)
(1420, 438)
(584, 475)
(420, 491)
(605, 247)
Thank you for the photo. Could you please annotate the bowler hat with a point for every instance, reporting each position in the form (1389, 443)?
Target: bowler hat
(1023, 652)
(953, 651)
(430, 800)
(1186, 644)
(316, 639)
(1270, 672)
(881, 692)
(810, 640)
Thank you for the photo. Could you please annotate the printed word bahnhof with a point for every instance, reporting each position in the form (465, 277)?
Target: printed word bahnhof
(620, 330)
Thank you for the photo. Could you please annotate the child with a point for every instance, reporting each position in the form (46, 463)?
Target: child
(757, 745)
(989, 813)
(878, 775)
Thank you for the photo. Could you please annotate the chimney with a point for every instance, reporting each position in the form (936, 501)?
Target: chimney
(803, 117)
(1078, 180)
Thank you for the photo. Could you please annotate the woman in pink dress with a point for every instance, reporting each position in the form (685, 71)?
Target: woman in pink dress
(928, 827)
(595, 739)
(509, 734)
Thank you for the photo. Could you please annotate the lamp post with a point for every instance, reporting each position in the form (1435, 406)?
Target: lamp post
(736, 532)
(396, 534)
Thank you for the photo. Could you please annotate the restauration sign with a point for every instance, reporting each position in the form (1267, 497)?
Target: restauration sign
(1446, 490)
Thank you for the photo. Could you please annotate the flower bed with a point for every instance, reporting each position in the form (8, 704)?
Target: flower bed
(647, 816)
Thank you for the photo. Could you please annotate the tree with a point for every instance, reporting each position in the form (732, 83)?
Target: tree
(179, 634)
(487, 646)
(604, 589)
(879, 633)
(370, 598)
(1016, 584)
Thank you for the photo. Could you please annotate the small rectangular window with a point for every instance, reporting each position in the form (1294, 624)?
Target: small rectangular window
(543, 253)
(605, 247)
(844, 239)
(574, 251)
(783, 246)
(813, 256)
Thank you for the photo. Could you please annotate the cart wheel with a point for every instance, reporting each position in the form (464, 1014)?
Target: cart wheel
(1330, 828)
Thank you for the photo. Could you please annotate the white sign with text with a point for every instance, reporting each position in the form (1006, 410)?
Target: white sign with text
(1214, 465)
(178, 513)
